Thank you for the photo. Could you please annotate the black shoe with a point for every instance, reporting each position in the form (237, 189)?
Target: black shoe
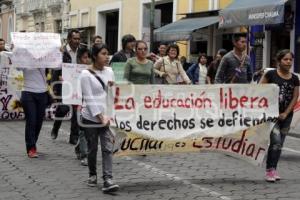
(54, 134)
(73, 140)
(77, 151)
(92, 181)
(109, 186)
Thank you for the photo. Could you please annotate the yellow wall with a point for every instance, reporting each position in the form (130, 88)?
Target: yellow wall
(182, 7)
(92, 4)
(225, 3)
(203, 5)
(131, 17)
(200, 5)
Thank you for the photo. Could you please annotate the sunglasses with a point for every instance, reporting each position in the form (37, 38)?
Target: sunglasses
(141, 49)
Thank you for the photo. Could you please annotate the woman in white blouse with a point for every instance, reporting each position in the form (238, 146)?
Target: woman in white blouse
(169, 67)
(94, 121)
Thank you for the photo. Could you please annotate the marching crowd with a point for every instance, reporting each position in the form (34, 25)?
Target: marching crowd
(142, 67)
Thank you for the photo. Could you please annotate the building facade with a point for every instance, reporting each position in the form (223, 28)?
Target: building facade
(6, 20)
(40, 15)
(113, 18)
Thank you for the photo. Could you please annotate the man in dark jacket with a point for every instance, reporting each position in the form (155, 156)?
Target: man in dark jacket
(128, 44)
(69, 56)
(235, 66)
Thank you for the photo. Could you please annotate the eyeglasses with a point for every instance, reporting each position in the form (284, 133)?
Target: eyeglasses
(142, 49)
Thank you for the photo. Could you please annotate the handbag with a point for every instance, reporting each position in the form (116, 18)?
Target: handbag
(179, 79)
(161, 80)
(238, 70)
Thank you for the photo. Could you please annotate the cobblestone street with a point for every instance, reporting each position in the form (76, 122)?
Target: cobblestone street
(56, 174)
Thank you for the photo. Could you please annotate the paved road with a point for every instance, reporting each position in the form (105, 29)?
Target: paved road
(56, 174)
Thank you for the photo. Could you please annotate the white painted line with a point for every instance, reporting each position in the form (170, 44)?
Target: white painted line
(176, 178)
(291, 150)
(294, 138)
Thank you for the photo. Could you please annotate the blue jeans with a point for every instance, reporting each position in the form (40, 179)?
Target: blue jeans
(34, 106)
(81, 146)
(277, 139)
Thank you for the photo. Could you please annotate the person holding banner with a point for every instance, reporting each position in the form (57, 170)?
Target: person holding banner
(69, 56)
(170, 69)
(139, 70)
(34, 100)
(288, 94)
(94, 82)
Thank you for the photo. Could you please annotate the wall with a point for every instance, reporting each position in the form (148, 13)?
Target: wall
(200, 5)
(224, 3)
(4, 20)
(183, 7)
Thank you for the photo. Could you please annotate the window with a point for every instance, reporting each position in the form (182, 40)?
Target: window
(10, 28)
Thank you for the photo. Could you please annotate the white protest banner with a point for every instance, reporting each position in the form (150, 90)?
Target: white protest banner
(295, 125)
(11, 82)
(249, 145)
(71, 90)
(36, 50)
(176, 112)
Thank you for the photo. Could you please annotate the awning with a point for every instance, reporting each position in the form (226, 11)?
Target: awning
(181, 30)
(252, 12)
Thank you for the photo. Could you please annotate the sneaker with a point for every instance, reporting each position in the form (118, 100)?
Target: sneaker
(270, 176)
(53, 135)
(32, 153)
(73, 140)
(109, 186)
(92, 181)
(84, 161)
(276, 175)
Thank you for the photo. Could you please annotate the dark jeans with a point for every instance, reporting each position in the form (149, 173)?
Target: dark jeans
(106, 138)
(81, 146)
(62, 111)
(34, 105)
(277, 139)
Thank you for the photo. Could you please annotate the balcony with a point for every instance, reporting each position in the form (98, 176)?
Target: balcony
(7, 2)
(54, 3)
(22, 9)
(35, 6)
